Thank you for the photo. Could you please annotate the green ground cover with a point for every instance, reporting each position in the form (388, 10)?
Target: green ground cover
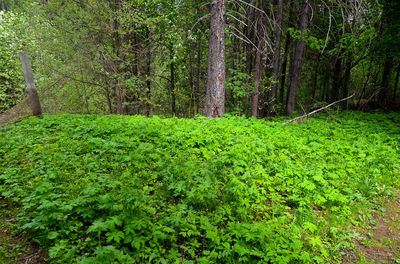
(119, 189)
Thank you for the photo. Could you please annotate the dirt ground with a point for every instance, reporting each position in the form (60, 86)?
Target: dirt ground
(382, 243)
(15, 249)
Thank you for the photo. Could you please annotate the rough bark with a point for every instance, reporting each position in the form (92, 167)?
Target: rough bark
(148, 84)
(336, 79)
(277, 55)
(172, 82)
(258, 66)
(396, 84)
(315, 77)
(387, 72)
(199, 70)
(215, 94)
(288, 41)
(346, 81)
(30, 84)
(297, 63)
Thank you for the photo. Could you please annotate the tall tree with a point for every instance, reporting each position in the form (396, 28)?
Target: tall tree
(215, 94)
(277, 54)
(258, 66)
(297, 61)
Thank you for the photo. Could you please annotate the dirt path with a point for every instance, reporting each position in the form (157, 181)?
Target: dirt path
(381, 244)
(15, 249)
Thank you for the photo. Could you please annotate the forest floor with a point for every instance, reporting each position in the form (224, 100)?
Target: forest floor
(15, 249)
(381, 243)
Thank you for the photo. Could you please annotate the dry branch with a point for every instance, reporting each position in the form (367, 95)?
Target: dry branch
(316, 111)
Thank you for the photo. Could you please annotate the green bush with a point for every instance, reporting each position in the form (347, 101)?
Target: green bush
(106, 189)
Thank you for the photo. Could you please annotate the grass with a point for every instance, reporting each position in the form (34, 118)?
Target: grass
(105, 189)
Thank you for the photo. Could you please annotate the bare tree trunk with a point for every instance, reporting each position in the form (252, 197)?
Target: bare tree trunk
(197, 95)
(249, 34)
(297, 63)
(258, 66)
(148, 83)
(33, 96)
(277, 55)
(284, 67)
(118, 98)
(315, 78)
(172, 81)
(396, 84)
(346, 81)
(215, 95)
(387, 72)
(336, 79)
(288, 41)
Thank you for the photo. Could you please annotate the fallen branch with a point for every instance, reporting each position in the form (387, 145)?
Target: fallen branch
(316, 111)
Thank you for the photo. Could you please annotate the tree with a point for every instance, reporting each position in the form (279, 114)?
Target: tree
(297, 60)
(258, 66)
(215, 94)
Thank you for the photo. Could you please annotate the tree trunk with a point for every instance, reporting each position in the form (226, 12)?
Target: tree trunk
(197, 95)
(336, 79)
(148, 84)
(215, 94)
(288, 41)
(297, 63)
(172, 82)
(387, 72)
(118, 97)
(396, 84)
(315, 78)
(346, 81)
(258, 66)
(277, 55)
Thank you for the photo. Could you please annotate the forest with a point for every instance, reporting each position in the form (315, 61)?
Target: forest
(199, 131)
(255, 58)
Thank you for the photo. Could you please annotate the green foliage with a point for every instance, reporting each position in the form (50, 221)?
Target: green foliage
(106, 189)
(11, 80)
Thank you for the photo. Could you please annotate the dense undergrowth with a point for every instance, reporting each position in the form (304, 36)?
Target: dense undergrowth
(105, 189)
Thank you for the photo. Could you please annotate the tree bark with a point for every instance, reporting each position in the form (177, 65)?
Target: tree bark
(336, 79)
(172, 81)
(258, 66)
(387, 72)
(197, 93)
(288, 41)
(33, 96)
(297, 63)
(277, 55)
(215, 94)
(315, 78)
(346, 81)
(396, 84)
(148, 83)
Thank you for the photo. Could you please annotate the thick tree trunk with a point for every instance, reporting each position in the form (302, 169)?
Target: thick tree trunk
(288, 41)
(258, 66)
(336, 79)
(396, 84)
(387, 72)
(277, 55)
(215, 95)
(297, 63)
